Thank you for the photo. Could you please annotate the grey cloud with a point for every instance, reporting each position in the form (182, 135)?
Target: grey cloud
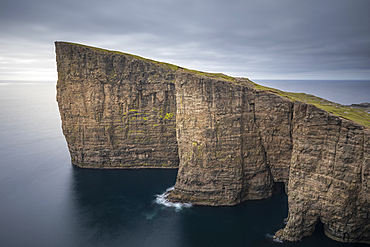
(260, 39)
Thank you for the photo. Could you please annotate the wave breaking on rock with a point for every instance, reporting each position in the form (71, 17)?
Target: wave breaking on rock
(162, 200)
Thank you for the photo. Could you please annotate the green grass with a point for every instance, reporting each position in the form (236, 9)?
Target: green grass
(356, 115)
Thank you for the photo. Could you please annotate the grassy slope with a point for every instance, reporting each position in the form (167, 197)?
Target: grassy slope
(356, 115)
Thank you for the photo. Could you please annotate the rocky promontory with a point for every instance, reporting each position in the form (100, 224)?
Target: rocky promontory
(231, 140)
(117, 111)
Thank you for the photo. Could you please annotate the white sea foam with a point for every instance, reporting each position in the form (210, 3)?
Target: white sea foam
(162, 200)
(277, 240)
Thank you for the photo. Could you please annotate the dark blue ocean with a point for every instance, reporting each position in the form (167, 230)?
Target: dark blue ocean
(45, 201)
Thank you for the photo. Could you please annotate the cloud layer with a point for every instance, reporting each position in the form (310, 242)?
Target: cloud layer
(266, 39)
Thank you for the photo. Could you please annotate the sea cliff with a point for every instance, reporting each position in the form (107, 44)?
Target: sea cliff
(231, 139)
(117, 111)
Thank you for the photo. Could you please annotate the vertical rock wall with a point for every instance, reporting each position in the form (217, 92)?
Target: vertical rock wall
(117, 110)
(329, 177)
(234, 141)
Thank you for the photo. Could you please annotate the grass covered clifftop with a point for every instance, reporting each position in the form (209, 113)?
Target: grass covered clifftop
(168, 65)
(356, 115)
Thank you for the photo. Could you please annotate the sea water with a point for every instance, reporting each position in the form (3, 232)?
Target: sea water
(45, 201)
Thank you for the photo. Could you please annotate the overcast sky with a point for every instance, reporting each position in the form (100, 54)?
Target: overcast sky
(258, 39)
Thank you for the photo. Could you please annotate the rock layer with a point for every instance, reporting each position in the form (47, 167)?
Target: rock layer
(232, 142)
(117, 110)
(329, 177)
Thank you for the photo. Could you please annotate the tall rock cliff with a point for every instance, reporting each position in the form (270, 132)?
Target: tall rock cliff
(329, 177)
(232, 141)
(117, 110)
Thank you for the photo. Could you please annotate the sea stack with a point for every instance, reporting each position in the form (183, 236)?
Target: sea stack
(230, 139)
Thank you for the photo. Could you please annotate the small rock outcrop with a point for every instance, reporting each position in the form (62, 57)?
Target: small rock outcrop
(230, 141)
(365, 106)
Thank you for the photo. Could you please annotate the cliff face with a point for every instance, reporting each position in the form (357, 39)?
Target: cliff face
(117, 110)
(329, 177)
(232, 142)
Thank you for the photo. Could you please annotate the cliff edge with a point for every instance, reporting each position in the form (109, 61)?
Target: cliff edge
(232, 140)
